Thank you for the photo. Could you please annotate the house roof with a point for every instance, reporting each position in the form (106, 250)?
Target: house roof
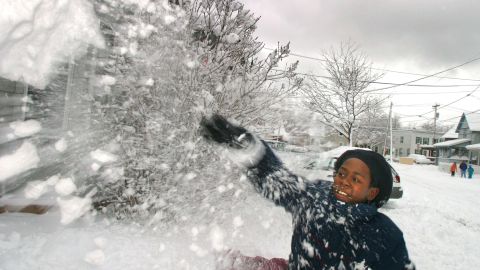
(426, 146)
(472, 119)
(412, 130)
(473, 146)
(451, 143)
(451, 134)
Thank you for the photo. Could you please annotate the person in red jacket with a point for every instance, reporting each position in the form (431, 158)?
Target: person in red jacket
(453, 168)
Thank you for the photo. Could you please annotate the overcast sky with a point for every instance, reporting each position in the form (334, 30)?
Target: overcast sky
(404, 35)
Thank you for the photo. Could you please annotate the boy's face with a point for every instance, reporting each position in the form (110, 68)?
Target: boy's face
(351, 183)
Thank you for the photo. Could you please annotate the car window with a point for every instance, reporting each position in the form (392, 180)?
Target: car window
(331, 164)
(324, 164)
(393, 171)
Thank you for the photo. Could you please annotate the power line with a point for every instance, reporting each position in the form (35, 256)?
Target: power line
(444, 120)
(475, 97)
(428, 76)
(451, 108)
(407, 83)
(413, 105)
(422, 93)
(460, 116)
(455, 101)
(377, 82)
(380, 69)
(425, 85)
(446, 105)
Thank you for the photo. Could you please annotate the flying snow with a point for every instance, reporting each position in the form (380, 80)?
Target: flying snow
(107, 80)
(238, 221)
(103, 156)
(25, 128)
(232, 38)
(217, 237)
(95, 166)
(33, 41)
(95, 257)
(65, 186)
(35, 189)
(22, 160)
(61, 145)
(100, 242)
(149, 82)
(169, 19)
(73, 208)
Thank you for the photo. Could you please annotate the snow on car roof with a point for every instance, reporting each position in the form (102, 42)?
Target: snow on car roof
(336, 152)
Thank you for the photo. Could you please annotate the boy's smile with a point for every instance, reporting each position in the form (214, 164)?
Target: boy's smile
(351, 183)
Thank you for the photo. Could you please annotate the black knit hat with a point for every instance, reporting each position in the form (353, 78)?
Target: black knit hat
(380, 172)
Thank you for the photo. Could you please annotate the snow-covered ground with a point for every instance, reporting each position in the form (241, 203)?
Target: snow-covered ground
(438, 214)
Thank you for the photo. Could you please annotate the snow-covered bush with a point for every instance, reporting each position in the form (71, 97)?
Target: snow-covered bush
(165, 67)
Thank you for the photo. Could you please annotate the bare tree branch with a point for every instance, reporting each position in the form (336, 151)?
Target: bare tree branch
(342, 99)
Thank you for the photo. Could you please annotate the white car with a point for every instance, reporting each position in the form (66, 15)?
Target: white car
(420, 159)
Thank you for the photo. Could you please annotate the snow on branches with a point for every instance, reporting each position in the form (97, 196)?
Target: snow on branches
(167, 64)
(343, 99)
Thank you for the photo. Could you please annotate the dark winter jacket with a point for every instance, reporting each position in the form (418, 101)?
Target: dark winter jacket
(327, 233)
(463, 166)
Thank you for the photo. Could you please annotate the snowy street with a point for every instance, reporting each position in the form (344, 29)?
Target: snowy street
(438, 216)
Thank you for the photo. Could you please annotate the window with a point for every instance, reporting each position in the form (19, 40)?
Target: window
(426, 140)
(408, 151)
(401, 139)
(418, 140)
(400, 152)
(435, 141)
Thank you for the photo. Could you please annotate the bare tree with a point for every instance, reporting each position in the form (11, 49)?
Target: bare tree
(342, 98)
(238, 82)
(372, 127)
(430, 127)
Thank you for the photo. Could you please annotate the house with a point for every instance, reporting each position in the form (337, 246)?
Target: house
(300, 138)
(410, 141)
(451, 134)
(467, 146)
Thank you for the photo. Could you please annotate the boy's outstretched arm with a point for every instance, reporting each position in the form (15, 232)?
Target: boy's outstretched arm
(398, 259)
(265, 170)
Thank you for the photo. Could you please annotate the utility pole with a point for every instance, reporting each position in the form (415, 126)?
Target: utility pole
(386, 134)
(435, 116)
(391, 132)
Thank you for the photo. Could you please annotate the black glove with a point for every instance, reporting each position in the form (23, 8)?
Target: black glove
(216, 128)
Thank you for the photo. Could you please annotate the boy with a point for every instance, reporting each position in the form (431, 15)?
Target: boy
(334, 226)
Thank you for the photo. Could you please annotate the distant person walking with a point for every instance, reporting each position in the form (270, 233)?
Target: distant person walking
(463, 169)
(470, 171)
(453, 168)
